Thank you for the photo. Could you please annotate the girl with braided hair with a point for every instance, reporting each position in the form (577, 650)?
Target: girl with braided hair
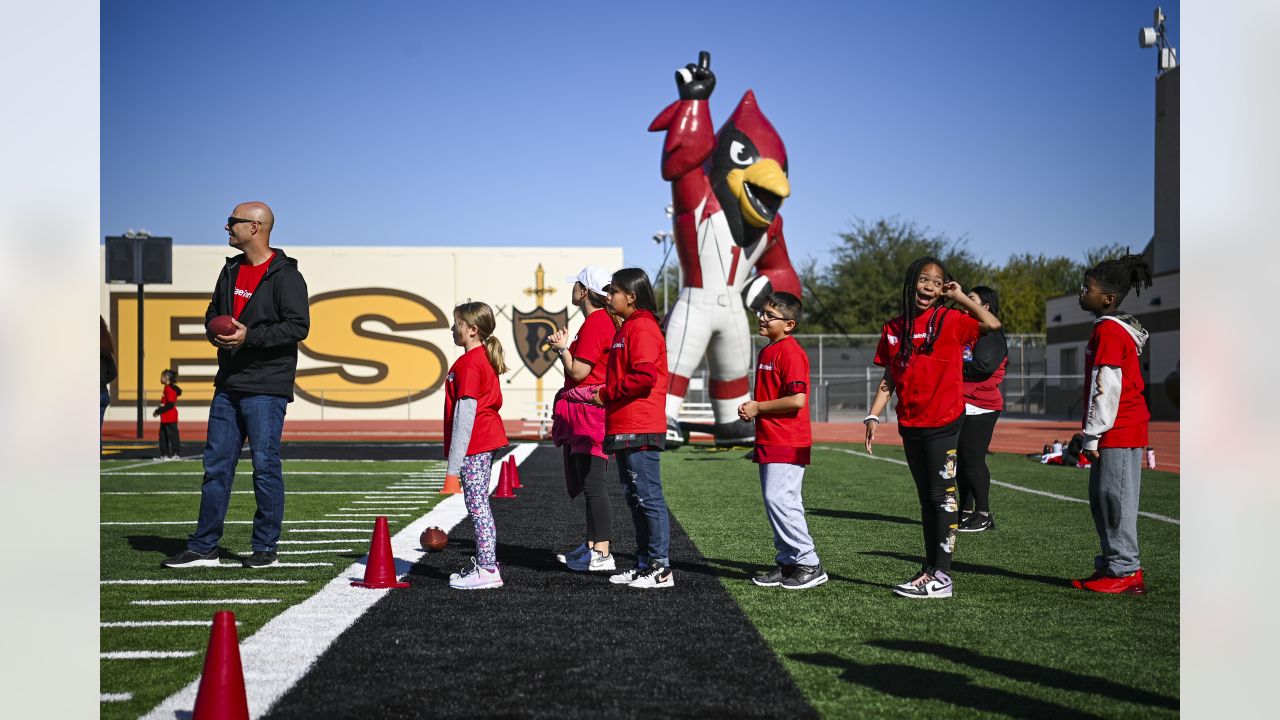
(922, 352)
(1115, 422)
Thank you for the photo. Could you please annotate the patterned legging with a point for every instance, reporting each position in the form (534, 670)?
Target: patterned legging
(475, 492)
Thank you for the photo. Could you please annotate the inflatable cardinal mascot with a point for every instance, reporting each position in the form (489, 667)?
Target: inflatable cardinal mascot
(727, 187)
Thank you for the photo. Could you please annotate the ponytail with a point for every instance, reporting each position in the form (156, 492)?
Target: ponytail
(1122, 274)
(493, 350)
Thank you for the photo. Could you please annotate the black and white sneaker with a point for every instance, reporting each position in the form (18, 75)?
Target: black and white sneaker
(926, 586)
(259, 559)
(805, 577)
(655, 576)
(978, 522)
(774, 577)
(188, 558)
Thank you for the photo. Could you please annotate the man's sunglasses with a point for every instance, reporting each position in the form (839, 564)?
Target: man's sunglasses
(233, 221)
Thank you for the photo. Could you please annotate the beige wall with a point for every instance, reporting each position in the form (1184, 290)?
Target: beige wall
(379, 342)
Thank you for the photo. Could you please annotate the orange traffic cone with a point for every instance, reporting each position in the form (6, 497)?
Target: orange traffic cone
(221, 695)
(451, 485)
(504, 482)
(515, 473)
(380, 570)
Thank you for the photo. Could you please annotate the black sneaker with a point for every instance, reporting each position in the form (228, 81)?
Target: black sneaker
(774, 577)
(187, 558)
(805, 576)
(260, 558)
(978, 522)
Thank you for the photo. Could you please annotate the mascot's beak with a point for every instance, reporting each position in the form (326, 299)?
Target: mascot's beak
(760, 189)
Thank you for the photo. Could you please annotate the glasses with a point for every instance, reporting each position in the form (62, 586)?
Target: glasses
(233, 221)
(767, 317)
(1084, 290)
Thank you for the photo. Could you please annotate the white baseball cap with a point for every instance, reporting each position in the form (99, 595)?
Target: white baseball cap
(592, 278)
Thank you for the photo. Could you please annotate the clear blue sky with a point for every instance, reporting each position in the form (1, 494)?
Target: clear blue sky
(1023, 126)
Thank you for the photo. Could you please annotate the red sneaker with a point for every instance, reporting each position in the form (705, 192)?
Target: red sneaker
(1097, 575)
(1130, 584)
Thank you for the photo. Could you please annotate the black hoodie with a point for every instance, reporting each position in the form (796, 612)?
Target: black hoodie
(277, 317)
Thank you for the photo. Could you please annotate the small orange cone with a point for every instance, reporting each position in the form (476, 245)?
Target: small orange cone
(221, 695)
(380, 570)
(504, 482)
(451, 485)
(515, 473)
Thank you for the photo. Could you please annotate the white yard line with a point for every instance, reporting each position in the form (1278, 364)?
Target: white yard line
(415, 507)
(287, 473)
(239, 566)
(314, 542)
(375, 515)
(279, 654)
(157, 623)
(1011, 486)
(246, 581)
(231, 601)
(115, 697)
(313, 552)
(250, 492)
(146, 654)
(385, 502)
(336, 530)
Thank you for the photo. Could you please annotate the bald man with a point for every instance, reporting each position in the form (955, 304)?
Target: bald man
(262, 290)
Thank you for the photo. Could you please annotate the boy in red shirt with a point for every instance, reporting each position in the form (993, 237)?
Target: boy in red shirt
(783, 441)
(170, 443)
(1115, 423)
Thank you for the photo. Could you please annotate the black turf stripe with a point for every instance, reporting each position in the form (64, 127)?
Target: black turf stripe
(551, 643)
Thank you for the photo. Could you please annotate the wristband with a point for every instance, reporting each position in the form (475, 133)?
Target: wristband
(561, 351)
(871, 418)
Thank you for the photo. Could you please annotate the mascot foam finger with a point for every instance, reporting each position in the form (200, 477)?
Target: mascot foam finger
(727, 188)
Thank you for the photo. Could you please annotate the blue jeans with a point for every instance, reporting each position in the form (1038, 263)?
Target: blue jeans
(233, 416)
(641, 477)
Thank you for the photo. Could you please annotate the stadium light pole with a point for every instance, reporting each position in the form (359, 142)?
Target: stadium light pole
(1167, 57)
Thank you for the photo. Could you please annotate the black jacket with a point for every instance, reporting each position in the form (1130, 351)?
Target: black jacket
(278, 318)
(990, 350)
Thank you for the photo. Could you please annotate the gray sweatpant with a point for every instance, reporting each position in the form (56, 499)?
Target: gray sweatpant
(780, 483)
(1115, 480)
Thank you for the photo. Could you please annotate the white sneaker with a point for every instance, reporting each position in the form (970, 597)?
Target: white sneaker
(595, 561)
(477, 578)
(579, 551)
(625, 577)
(655, 577)
(927, 586)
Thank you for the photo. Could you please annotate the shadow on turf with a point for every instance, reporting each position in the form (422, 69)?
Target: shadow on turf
(964, 567)
(1028, 672)
(915, 683)
(855, 515)
(168, 546)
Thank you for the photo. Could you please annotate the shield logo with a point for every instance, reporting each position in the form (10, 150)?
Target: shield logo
(531, 330)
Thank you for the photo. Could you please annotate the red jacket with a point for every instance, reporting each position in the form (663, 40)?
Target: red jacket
(635, 386)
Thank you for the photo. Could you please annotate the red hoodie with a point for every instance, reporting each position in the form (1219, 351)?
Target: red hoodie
(635, 386)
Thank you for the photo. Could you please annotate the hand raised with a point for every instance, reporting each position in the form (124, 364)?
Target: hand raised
(696, 82)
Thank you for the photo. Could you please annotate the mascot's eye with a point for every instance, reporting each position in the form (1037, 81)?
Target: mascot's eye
(738, 153)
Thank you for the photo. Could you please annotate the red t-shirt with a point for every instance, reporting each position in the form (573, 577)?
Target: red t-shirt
(1110, 344)
(782, 369)
(472, 376)
(247, 280)
(931, 387)
(169, 395)
(635, 391)
(591, 345)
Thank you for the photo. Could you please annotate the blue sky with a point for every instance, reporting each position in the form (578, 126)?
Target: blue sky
(1027, 127)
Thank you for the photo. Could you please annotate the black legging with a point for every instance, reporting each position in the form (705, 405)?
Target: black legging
(590, 469)
(974, 478)
(931, 455)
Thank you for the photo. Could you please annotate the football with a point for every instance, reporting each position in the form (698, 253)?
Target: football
(433, 538)
(222, 325)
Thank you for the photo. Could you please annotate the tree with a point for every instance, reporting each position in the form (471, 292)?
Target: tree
(862, 287)
(1026, 281)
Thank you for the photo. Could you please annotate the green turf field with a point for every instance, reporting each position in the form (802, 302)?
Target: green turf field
(316, 495)
(1015, 640)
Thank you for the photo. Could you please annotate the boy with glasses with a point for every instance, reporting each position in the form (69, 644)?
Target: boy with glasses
(783, 442)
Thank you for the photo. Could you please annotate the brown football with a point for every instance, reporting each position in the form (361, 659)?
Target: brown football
(222, 325)
(433, 538)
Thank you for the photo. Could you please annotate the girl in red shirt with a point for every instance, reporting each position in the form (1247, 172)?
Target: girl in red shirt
(472, 431)
(579, 423)
(170, 442)
(634, 398)
(922, 352)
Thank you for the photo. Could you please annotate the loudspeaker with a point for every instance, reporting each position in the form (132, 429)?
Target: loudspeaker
(139, 260)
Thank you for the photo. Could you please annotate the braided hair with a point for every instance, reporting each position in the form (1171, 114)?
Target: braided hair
(910, 312)
(1121, 274)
